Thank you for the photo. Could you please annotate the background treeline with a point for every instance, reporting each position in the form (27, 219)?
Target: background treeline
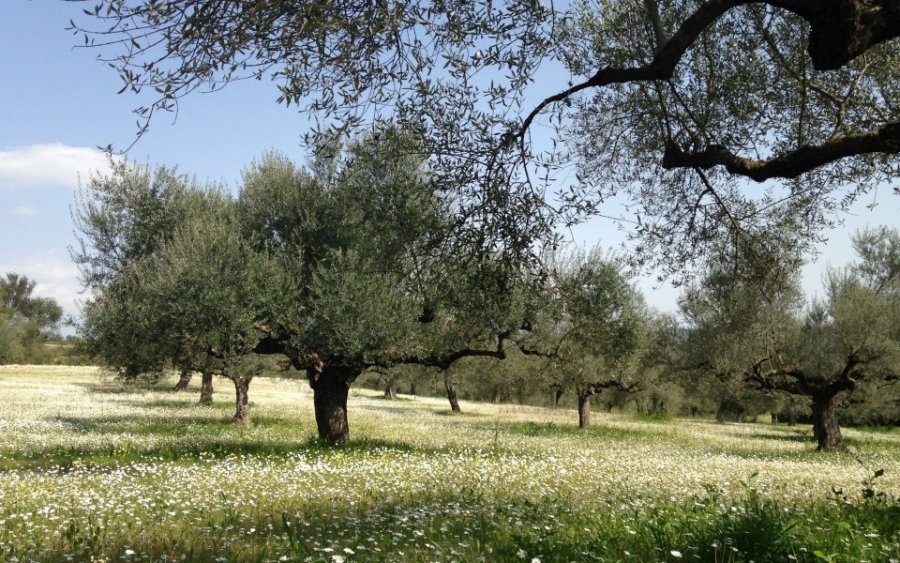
(517, 381)
(29, 326)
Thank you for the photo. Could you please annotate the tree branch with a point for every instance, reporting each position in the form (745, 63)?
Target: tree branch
(840, 30)
(885, 140)
(444, 361)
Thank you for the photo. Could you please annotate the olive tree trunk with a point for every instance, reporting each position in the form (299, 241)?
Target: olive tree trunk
(825, 424)
(451, 393)
(330, 388)
(242, 400)
(791, 412)
(184, 380)
(206, 388)
(584, 409)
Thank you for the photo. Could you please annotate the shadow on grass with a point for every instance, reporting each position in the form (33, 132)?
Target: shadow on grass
(115, 387)
(187, 439)
(802, 436)
(550, 429)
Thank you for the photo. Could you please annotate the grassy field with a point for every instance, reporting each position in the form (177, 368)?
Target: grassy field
(91, 469)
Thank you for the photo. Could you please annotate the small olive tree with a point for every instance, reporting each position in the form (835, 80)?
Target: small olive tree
(589, 333)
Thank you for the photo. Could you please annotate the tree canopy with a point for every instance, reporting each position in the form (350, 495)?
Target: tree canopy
(340, 266)
(678, 106)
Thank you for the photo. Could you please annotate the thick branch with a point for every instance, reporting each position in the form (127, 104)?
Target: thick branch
(594, 388)
(840, 31)
(444, 361)
(885, 140)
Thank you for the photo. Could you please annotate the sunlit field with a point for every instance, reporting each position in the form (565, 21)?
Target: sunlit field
(92, 469)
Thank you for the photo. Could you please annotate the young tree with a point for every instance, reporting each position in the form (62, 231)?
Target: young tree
(123, 218)
(671, 102)
(591, 331)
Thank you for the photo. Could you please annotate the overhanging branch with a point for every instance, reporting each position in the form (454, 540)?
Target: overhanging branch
(884, 140)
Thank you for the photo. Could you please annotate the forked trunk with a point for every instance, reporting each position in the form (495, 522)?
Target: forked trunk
(242, 401)
(206, 388)
(330, 390)
(825, 424)
(184, 380)
(584, 409)
(451, 393)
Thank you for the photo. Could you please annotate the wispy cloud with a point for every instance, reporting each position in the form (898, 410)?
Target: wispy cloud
(24, 212)
(49, 165)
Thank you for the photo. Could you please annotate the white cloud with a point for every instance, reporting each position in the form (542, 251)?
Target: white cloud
(49, 165)
(55, 275)
(24, 212)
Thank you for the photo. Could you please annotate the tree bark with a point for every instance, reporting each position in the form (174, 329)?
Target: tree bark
(330, 388)
(451, 393)
(184, 380)
(412, 388)
(206, 388)
(584, 410)
(390, 392)
(825, 424)
(242, 400)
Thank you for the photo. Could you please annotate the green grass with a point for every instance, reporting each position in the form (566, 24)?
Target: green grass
(93, 469)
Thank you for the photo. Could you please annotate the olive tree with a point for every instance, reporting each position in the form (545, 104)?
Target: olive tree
(590, 331)
(123, 218)
(25, 319)
(851, 336)
(206, 292)
(361, 232)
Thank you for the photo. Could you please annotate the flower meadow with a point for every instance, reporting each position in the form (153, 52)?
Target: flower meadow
(95, 470)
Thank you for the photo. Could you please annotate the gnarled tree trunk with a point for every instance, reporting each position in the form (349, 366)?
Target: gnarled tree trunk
(331, 386)
(584, 409)
(184, 380)
(825, 424)
(451, 393)
(206, 388)
(242, 400)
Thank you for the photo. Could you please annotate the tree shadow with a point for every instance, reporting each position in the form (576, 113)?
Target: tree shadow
(552, 429)
(186, 439)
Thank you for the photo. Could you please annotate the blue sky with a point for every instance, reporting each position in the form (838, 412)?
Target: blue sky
(57, 104)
